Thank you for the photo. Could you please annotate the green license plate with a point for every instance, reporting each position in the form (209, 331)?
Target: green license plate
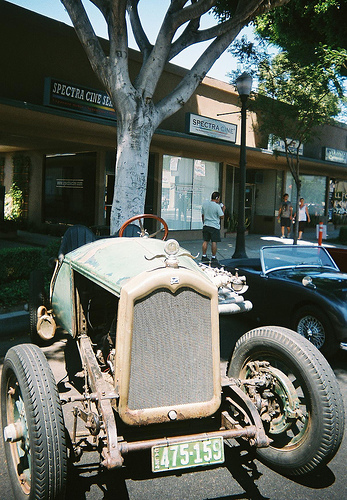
(188, 454)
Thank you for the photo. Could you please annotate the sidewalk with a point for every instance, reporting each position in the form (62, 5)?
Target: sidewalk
(254, 242)
(12, 322)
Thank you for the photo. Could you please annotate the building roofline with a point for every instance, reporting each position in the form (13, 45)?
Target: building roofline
(161, 132)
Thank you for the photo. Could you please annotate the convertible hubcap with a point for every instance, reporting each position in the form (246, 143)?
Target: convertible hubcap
(311, 328)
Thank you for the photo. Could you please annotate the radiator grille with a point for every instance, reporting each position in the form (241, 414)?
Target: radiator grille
(171, 354)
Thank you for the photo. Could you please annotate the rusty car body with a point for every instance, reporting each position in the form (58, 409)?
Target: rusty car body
(141, 323)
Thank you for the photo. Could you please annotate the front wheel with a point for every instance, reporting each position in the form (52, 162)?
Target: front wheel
(315, 327)
(33, 426)
(299, 399)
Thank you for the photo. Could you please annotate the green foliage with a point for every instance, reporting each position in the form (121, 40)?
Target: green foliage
(17, 263)
(303, 28)
(16, 198)
(15, 267)
(294, 100)
(14, 203)
(21, 171)
(14, 293)
(225, 9)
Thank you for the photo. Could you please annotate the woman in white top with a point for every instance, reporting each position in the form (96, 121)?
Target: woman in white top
(303, 218)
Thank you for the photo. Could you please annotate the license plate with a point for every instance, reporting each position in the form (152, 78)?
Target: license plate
(188, 454)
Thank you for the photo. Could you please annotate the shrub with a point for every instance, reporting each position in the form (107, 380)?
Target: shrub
(17, 263)
(14, 293)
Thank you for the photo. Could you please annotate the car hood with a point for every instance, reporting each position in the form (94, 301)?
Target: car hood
(111, 262)
(325, 280)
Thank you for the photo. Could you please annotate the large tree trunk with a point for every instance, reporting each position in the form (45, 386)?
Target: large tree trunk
(137, 115)
(134, 140)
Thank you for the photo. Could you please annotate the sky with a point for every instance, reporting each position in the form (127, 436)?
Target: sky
(152, 14)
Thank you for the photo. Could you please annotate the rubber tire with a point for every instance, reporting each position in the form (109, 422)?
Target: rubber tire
(37, 298)
(26, 367)
(330, 345)
(323, 436)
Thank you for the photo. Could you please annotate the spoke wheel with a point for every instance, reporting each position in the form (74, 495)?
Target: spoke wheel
(315, 327)
(302, 409)
(33, 426)
(312, 329)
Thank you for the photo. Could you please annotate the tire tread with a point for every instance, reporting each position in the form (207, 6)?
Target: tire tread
(322, 375)
(44, 418)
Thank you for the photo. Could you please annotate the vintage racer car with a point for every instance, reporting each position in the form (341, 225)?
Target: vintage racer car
(305, 288)
(143, 360)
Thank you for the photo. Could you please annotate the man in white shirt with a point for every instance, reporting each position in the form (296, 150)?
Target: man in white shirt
(211, 214)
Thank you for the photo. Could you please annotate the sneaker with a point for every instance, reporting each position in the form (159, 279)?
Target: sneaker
(205, 259)
(282, 237)
(214, 262)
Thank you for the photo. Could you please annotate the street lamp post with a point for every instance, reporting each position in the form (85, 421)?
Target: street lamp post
(244, 86)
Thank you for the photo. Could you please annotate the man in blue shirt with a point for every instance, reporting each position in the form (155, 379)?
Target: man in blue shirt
(211, 214)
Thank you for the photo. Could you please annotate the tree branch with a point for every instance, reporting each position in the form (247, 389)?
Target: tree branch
(227, 33)
(179, 96)
(193, 11)
(140, 36)
(153, 66)
(267, 5)
(103, 6)
(191, 36)
(88, 38)
(112, 70)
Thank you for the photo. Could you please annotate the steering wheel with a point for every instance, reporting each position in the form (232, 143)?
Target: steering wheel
(143, 231)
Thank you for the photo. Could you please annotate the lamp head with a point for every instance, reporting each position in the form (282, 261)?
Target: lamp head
(244, 84)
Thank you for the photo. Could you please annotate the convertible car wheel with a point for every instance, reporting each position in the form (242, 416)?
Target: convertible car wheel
(33, 426)
(300, 402)
(314, 326)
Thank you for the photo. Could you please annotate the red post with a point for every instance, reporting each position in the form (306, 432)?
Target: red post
(320, 233)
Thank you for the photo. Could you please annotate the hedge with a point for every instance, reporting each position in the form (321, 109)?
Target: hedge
(17, 263)
(13, 294)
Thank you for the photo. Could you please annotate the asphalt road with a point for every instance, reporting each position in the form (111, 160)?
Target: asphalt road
(241, 477)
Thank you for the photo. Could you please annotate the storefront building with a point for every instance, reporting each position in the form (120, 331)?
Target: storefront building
(58, 131)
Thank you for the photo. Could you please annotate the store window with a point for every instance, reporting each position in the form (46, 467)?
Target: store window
(186, 184)
(338, 201)
(313, 190)
(69, 190)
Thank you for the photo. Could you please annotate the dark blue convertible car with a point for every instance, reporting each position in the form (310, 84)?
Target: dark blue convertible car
(300, 287)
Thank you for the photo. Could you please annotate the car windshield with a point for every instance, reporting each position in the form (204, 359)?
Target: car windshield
(277, 257)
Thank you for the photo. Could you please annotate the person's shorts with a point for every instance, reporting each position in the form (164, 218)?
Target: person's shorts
(211, 234)
(302, 225)
(285, 221)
